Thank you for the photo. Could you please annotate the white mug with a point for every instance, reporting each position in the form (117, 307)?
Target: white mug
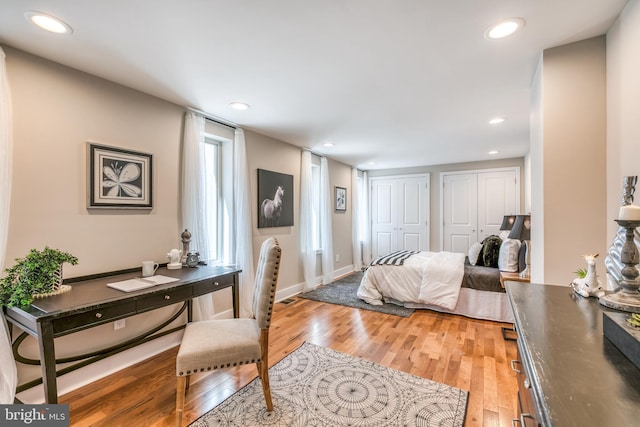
(149, 268)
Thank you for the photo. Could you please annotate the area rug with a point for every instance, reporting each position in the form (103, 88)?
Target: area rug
(343, 292)
(317, 386)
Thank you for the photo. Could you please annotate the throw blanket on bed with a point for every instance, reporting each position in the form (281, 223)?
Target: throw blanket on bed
(426, 277)
(394, 258)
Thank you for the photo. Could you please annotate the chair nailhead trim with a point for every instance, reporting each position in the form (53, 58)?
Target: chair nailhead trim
(209, 368)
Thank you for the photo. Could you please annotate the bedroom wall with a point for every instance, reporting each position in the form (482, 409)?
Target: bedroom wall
(623, 107)
(435, 238)
(56, 110)
(570, 155)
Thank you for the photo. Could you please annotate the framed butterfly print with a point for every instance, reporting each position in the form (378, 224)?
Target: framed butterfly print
(119, 178)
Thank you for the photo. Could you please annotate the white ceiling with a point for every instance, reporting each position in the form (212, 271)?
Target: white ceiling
(401, 83)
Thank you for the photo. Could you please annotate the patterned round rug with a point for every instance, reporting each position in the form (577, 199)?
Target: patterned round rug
(317, 386)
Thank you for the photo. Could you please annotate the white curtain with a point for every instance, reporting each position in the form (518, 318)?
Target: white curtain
(307, 251)
(365, 218)
(326, 228)
(8, 373)
(194, 208)
(355, 221)
(242, 229)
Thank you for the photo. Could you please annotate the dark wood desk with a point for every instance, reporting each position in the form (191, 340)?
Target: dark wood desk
(573, 374)
(91, 303)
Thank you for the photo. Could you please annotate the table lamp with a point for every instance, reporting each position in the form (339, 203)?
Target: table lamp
(507, 222)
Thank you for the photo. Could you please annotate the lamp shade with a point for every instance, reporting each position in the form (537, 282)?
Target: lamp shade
(521, 228)
(507, 222)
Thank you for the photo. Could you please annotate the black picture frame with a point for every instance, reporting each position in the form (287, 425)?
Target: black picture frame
(275, 199)
(118, 178)
(341, 199)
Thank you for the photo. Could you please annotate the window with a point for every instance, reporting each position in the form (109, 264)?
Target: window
(213, 196)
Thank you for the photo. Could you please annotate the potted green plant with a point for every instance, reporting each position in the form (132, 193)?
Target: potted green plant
(38, 273)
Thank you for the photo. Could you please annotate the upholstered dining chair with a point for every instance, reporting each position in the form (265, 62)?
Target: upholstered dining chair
(213, 344)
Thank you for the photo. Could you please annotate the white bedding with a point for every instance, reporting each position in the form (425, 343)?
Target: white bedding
(399, 285)
(431, 278)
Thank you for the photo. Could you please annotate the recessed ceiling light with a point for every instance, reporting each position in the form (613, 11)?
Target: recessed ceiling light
(496, 120)
(504, 28)
(492, 152)
(48, 22)
(371, 163)
(328, 144)
(240, 106)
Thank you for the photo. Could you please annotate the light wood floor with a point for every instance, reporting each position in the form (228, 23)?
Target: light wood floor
(465, 353)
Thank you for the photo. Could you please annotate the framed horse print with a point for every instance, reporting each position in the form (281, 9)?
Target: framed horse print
(275, 199)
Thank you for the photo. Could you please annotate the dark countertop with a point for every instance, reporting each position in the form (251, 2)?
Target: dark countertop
(579, 378)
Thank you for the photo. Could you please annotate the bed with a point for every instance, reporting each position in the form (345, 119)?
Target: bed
(440, 281)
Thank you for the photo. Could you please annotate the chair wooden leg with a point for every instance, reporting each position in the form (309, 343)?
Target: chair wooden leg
(181, 390)
(263, 368)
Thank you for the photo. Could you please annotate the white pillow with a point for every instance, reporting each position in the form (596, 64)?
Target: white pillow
(474, 253)
(508, 256)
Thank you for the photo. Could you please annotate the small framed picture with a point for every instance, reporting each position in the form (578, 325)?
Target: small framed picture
(118, 178)
(341, 199)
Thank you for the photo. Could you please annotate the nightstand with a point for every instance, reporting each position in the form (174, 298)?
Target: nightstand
(506, 276)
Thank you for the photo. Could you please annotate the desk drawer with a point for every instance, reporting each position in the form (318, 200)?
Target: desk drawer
(91, 318)
(210, 285)
(162, 299)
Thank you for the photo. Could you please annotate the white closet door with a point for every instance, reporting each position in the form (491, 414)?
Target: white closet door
(399, 214)
(383, 201)
(460, 212)
(496, 198)
(412, 215)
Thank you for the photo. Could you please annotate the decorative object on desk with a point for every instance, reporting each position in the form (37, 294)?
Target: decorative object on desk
(186, 239)
(174, 259)
(341, 199)
(275, 199)
(588, 285)
(119, 178)
(627, 298)
(612, 262)
(193, 258)
(37, 275)
(522, 231)
(634, 320)
(318, 386)
(149, 268)
(629, 213)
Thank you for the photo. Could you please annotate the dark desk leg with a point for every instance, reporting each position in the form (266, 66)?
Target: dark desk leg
(235, 295)
(48, 361)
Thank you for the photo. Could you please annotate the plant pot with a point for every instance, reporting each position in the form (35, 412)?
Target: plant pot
(57, 288)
